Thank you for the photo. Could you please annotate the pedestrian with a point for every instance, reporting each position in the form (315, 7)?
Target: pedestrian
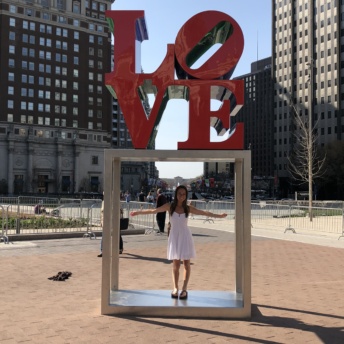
(161, 217)
(127, 197)
(180, 244)
(102, 224)
(142, 196)
(150, 197)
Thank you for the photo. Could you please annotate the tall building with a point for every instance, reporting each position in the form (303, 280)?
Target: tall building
(308, 72)
(257, 115)
(55, 112)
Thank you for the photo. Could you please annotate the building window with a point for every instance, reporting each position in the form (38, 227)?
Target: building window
(76, 7)
(94, 160)
(61, 5)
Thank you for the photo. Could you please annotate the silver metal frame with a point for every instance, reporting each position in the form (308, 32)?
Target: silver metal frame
(200, 304)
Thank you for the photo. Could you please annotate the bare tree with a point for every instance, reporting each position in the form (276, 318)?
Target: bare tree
(305, 164)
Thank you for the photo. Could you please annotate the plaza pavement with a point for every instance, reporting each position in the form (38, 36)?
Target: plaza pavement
(297, 289)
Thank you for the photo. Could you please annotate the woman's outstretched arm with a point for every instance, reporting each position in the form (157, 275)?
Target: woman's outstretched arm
(165, 207)
(194, 210)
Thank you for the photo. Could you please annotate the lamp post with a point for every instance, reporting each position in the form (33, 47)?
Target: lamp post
(310, 137)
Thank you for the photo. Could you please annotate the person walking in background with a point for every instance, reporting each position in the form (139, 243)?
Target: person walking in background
(150, 197)
(142, 196)
(127, 197)
(160, 217)
(102, 224)
(180, 244)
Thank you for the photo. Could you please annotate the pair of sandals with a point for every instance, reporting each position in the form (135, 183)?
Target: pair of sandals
(182, 296)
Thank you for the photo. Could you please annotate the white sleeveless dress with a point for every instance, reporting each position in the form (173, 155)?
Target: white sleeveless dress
(180, 242)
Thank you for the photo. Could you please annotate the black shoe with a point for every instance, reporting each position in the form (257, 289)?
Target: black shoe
(100, 255)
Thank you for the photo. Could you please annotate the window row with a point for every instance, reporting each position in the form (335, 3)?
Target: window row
(30, 79)
(46, 55)
(30, 25)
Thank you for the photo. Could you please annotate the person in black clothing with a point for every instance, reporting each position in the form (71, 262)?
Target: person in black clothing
(160, 217)
(102, 224)
(142, 196)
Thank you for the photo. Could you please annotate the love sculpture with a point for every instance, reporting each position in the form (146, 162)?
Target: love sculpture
(199, 87)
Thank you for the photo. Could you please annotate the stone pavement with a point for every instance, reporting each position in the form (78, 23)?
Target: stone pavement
(297, 290)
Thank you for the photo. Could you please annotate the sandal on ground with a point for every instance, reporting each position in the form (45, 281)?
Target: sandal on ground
(183, 295)
(174, 295)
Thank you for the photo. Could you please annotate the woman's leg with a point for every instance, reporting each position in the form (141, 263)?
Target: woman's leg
(120, 244)
(175, 274)
(187, 272)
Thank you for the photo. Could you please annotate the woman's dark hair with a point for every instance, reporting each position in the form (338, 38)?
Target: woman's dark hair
(175, 201)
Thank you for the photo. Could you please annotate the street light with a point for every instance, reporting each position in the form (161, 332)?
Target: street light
(310, 136)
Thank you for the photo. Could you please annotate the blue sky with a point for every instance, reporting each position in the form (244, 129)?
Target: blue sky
(163, 20)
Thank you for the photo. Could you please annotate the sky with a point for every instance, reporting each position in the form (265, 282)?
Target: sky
(163, 21)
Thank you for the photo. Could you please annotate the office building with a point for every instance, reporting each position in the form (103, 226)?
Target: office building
(257, 115)
(308, 72)
(56, 113)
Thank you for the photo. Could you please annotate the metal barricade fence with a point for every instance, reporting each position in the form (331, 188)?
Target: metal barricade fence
(146, 222)
(296, 217)
(3, 236)
(72, 215)
(329, 220)
(273, 215)
(33, 215)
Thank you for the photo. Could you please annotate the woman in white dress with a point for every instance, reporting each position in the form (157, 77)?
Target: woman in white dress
(180, 242)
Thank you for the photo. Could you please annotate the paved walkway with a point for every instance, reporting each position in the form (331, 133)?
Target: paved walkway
(297, 290)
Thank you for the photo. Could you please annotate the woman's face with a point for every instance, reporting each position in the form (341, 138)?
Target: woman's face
(181, 195)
